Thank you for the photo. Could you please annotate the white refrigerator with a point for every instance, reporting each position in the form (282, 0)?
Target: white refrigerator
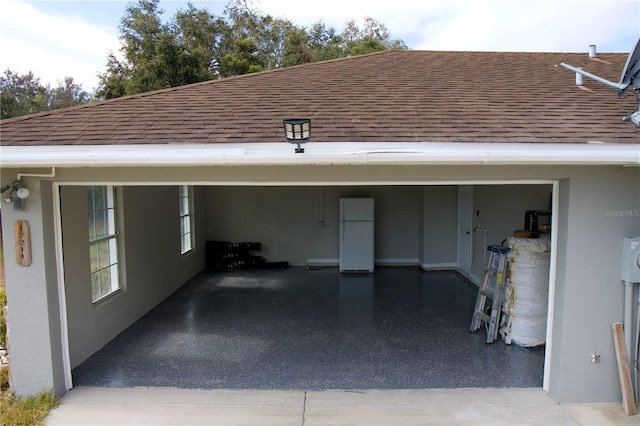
(356, 234)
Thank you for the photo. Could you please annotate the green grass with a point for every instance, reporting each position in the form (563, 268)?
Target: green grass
(4, 379)
(25, 411)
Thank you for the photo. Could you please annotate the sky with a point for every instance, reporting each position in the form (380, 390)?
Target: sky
(59, 38)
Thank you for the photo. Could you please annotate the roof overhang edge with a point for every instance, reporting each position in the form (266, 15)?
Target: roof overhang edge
(319, 153)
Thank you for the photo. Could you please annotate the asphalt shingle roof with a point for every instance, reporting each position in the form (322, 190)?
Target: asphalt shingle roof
(392, 96)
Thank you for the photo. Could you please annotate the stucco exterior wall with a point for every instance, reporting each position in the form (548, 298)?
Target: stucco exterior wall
(32, 297)
(597, 206)
(597, 209)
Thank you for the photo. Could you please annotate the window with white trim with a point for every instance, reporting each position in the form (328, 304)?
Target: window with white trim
(186, 218)
(103, 241)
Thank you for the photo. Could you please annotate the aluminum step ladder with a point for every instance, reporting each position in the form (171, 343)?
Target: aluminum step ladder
(491, 288)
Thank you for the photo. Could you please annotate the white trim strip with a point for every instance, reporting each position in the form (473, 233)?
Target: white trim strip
(439, 266)
(322, 262)
(250, 182)
(62, 298)
(549, 347)
(397, 262)
(321, 153)
(378, 262)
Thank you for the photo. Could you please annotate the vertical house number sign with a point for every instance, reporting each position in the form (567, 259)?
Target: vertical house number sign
(22, 237)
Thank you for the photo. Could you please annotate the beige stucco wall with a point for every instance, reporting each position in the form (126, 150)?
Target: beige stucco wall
(151, 264)
(300, 224)
(33, 315)
(597, 208)
(414, 225)
(440, 226)
(500, 210)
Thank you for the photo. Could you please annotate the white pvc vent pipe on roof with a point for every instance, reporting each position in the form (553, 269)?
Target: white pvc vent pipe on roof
(592, 50)
(579, 78)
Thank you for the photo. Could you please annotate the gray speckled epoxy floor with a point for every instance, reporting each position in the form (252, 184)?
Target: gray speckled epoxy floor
(299, 329)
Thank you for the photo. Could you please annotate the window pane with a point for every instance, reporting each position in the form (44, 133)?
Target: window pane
(103, 254)
(99, 195)
(115, 280)
(92, 225)
(109, 195)
(100, 222)
(110, 221)
(90, 200)
(105, 282)
(113, 251)
(95, 286)
(103, 248)
(93, 254)
(186, 242)
(185, 219)
(184, 206)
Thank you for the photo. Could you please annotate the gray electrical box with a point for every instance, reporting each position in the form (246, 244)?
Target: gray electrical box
(631, 259)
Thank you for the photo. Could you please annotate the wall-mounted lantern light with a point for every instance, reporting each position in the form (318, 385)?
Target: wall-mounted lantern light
(15, 193)
(297, 131)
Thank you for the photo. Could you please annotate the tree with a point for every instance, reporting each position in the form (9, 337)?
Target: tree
(325, 43)
(67, 94)
(196, 46)
(144, 41)
(253, 39)
(319, 42)
(200, 34)
(296, 48)
(241, 59)
(21, 94)
(157, 55)
(113, 83)
(372, 37)
(24, 94)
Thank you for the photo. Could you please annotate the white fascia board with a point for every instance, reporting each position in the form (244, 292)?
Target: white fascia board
(319, 153)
